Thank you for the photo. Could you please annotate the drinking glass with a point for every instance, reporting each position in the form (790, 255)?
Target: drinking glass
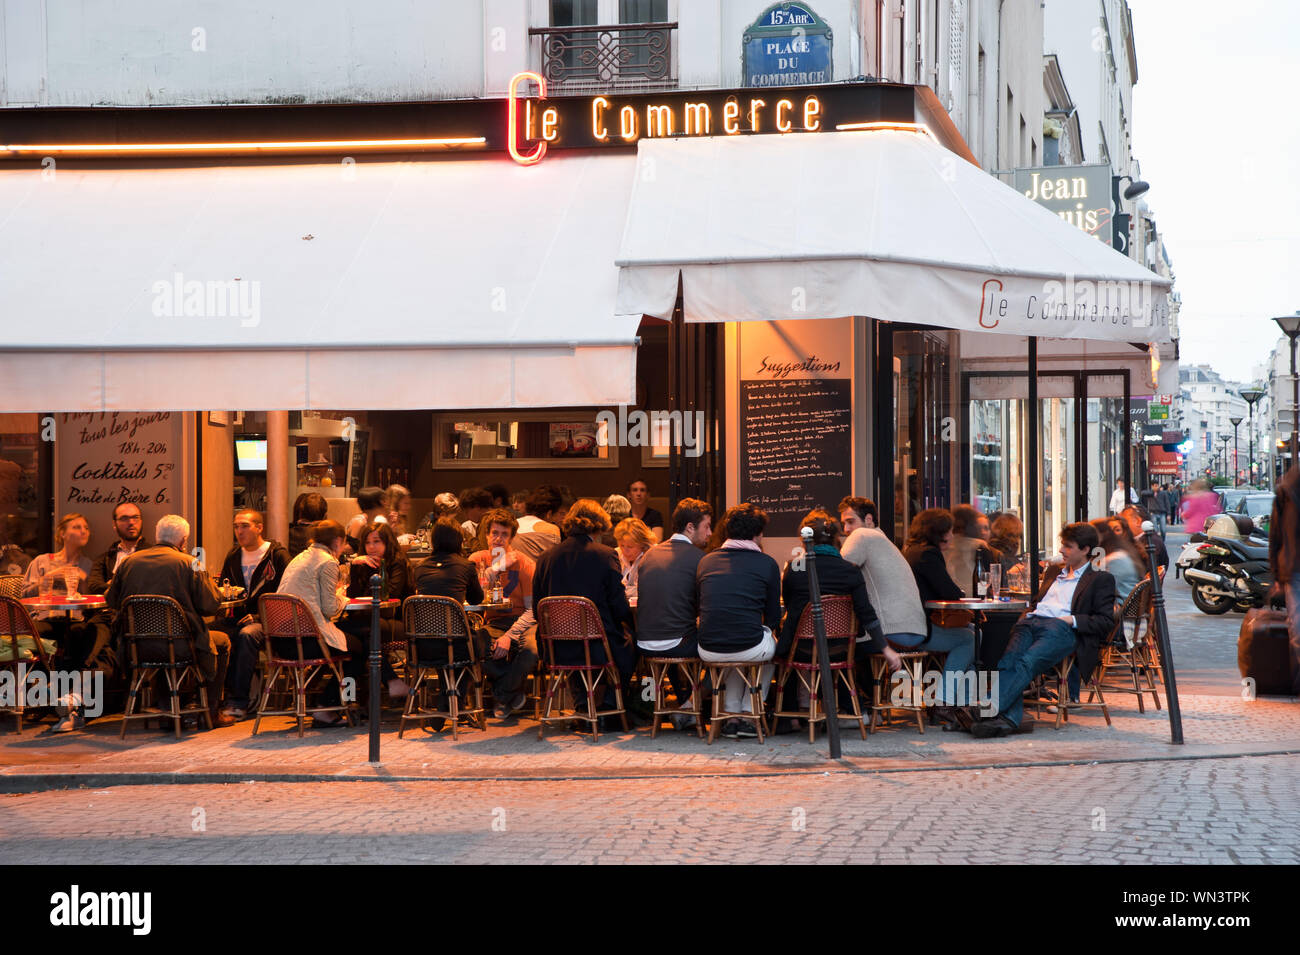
(47, 583)
(71, 581)
(995, 581)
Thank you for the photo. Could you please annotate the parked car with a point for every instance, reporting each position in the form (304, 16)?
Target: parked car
(1256, 506)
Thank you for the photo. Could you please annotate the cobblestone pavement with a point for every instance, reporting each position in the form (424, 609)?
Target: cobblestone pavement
(1217, 722)
(1196, 811)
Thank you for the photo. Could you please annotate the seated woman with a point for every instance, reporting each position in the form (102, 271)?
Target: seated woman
(930, 533)
(445, 573)
(1122, 558)
(380, 554)
(308, 508)
(634, 539)
(835, 576)
(968, 551)
(313, 576)
(1007, 538)
(76, 636)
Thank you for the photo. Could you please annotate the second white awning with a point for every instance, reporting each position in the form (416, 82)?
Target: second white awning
(885, 223)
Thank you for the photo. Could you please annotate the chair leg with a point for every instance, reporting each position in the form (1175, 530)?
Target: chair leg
(617, 680)
(203, 701)
(451, 686)
(299, 699)
(266, 695)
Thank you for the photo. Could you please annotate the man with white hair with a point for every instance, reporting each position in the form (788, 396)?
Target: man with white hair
(167, 570)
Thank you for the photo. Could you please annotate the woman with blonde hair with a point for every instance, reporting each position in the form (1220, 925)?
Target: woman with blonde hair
(634, 540)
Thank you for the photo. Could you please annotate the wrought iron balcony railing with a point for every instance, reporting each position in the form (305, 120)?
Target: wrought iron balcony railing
(637, 55)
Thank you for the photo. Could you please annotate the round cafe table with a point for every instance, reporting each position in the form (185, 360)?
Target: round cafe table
(64, 602)
(488, 605)
(979, 607)
(365, 603)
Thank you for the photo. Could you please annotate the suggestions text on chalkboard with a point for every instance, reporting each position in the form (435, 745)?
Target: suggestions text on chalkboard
(796, 447)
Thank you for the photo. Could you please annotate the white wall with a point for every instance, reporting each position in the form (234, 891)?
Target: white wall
(198, 52)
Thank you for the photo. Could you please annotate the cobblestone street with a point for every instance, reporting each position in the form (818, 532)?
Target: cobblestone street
(1198, 811)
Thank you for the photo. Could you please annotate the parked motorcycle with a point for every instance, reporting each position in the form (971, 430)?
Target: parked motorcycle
(1226, 573)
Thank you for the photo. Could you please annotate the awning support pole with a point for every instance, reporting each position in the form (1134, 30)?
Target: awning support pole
(1032, 459)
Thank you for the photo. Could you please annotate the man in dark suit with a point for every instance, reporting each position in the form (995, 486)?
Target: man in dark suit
(580, 567)
(1074, 612)
(168, 571)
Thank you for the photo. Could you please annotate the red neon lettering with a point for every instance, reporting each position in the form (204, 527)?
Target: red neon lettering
(512, 131)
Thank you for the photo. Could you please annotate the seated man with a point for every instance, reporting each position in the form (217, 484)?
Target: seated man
(128, 524)
(167, 570)
(538, 532)
(857, 512)
(668, 599)
(257, 565)
(740, 608)
(1074, 613)
(512, 631)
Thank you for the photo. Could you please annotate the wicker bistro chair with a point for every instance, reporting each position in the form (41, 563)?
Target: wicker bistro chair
(575, 620)
(1124, 656)
(158, 640)
(288, 625)
(691, 670)
(21, 652)
(841, 624)
(882, 703)
(440, 640)
(11, 585)
(752, 674)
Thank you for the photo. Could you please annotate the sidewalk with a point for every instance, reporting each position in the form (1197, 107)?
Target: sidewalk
(1214, 726)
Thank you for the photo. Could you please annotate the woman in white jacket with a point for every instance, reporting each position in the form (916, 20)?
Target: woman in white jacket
(313, 576)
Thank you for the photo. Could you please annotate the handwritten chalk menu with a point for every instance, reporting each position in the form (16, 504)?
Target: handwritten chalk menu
(796, 449)
(108, 458)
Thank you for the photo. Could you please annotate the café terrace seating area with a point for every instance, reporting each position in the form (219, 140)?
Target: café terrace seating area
(449, 693)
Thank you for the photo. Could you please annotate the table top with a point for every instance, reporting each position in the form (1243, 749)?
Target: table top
(488, 605)
(978, 603)
(364, 603)
(231, 603)
(64, 602)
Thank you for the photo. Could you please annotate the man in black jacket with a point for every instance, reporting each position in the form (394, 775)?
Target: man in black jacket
(740, 607)
(1074, 613)
(668, 598)
(128, 524)
(256, 565)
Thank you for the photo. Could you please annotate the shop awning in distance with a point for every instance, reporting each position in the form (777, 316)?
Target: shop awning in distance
(881, 222)
(473, 283)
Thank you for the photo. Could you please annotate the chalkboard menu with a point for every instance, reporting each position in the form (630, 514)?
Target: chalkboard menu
(109, 458)
(360, 445)
(796, 448)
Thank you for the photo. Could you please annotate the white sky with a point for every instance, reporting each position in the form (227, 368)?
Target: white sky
(1216, 127)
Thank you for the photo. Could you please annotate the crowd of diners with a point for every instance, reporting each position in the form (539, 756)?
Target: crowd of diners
(707, 591)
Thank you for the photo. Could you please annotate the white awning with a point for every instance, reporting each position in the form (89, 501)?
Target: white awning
(436, 284)
(884, 223)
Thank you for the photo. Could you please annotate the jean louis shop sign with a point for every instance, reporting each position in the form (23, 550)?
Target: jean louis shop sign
(1078, 194)
(788, 45)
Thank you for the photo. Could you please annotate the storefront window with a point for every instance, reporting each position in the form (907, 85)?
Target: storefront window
(924, 425)
(20, 494)
(531, 439)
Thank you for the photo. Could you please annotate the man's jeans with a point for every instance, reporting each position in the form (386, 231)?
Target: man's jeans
(246, 644)
(957, 642)
(1037, 643)
(1292, 592)
(508, 675)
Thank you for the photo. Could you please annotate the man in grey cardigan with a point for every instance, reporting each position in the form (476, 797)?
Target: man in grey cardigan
(893, 592)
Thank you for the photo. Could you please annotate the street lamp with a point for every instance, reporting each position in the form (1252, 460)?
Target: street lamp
(1251, 395)
(1290, 325)
(1235, 422)
(1119, 220)
(1224, 439)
